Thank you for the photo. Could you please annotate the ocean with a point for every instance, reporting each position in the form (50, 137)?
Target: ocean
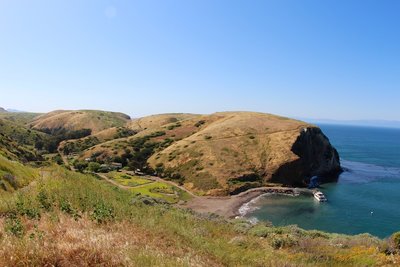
(366, 199)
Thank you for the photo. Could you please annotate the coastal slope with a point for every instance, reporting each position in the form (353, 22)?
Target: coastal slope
(242, 150)
(223, 153)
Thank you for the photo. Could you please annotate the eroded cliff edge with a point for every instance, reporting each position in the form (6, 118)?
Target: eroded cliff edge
(316, 157)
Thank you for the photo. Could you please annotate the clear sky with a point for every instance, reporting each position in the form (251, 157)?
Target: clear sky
(315, 59)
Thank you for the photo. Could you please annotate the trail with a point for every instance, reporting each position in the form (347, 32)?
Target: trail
(65, 160)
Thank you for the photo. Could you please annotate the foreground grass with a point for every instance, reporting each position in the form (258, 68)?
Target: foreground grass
(71, 219)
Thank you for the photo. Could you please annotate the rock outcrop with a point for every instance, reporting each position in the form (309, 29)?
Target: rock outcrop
(316, 157)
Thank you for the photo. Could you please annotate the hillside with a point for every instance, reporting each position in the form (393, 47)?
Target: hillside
(2, 110)
(224, 153)
(78, 145)
(14, 175)
(69, 120)
(71, 219)
(21, 118)
(154, 121)
(18, 142)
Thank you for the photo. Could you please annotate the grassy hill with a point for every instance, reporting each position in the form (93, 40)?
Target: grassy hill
(69, 120)
(21, 118)
(223, 153)
(71, 219)
(156, 121)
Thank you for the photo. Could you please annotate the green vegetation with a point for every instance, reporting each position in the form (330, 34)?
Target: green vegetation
(60, 134)
(200, 123)
(79, 145)
(146, 187)
(127, 180)
(163, 191)
(123, 132)
(75, 218)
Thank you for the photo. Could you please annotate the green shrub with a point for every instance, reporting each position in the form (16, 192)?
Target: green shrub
(199, 123)
(396, 240)
(260, 231)
(27, 208)
(102, 213)
(94, 166)
(280, 241)
(44, 201)
(14, 226)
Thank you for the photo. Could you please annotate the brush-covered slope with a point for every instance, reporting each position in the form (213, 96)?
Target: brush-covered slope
(79, 145)
(69, 120)
(21, 118)
(18, 142)
(225, 153)
(14, 175)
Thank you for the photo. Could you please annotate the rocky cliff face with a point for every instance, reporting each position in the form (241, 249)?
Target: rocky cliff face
(316, 157)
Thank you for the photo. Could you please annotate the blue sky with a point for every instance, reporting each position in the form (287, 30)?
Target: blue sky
(313, 59)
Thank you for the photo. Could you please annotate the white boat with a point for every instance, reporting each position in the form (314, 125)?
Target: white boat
(320, 196)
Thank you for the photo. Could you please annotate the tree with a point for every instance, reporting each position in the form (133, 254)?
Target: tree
(94, 166)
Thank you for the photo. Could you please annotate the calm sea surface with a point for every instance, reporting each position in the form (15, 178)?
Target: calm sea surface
(366, 198)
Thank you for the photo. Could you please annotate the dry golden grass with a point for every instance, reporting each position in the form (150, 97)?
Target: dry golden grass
(80, 119)
(156, 121)
(59, 240)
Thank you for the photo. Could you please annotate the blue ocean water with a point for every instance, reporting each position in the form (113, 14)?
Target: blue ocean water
(366, 199)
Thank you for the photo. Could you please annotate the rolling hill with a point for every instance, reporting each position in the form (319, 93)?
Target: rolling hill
(69, 120)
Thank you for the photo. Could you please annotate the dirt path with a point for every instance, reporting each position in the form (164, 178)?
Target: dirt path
(65, 160)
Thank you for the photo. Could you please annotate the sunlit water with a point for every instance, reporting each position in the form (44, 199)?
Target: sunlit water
(366, 198)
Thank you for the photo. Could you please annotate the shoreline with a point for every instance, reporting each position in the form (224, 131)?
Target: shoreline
(228, 206)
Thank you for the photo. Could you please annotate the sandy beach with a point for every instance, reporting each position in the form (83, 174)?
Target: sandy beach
(229, 206)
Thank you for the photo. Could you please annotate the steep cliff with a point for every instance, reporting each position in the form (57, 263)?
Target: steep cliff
(316, 157)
